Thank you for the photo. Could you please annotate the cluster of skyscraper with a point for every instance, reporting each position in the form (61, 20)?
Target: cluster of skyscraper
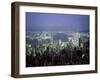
(57, 40)
(57, 48)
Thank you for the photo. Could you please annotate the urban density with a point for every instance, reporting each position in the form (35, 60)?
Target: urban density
(53, 48)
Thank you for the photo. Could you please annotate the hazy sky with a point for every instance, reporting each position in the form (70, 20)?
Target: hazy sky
(56, 22)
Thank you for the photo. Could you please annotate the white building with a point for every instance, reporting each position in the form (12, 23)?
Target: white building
(75, 39)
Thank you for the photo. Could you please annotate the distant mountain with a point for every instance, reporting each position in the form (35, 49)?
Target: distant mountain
(32, 42)
(60, 36)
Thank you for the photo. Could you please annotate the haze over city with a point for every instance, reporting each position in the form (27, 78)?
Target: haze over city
(56, 22)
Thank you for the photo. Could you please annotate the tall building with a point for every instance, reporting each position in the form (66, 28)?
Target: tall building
(75, 39)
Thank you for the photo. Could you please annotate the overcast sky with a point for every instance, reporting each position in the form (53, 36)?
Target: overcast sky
(56, 22)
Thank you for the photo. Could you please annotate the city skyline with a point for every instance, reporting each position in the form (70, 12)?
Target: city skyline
(57, 39)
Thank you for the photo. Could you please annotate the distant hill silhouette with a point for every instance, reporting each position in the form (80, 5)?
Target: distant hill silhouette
(60, 36)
